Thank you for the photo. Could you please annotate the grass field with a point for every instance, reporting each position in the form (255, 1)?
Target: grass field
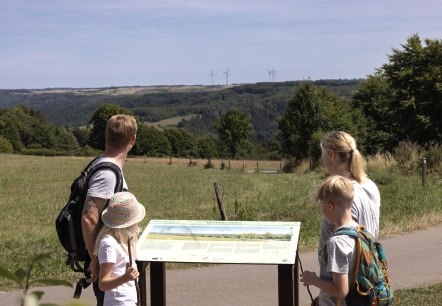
(34, 189)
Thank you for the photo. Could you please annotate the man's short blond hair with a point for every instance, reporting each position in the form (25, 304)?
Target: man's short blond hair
(119, 130)
(337, 189)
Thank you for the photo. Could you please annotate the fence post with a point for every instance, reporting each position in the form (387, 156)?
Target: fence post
(257, 167)
(424, 171)
(219, 200)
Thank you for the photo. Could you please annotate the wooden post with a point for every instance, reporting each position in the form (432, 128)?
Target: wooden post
(285, 285)
(257, 167)
(142, 282)
(219, 200)
(157, 284)
(296, 280)
(424, 171)
(229, 165)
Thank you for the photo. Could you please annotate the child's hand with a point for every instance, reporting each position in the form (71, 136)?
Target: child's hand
(308, 278)
(131, 272)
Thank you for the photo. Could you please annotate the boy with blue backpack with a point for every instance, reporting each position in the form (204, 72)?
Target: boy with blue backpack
(353, 264)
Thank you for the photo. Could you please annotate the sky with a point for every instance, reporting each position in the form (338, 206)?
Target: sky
(103, 43)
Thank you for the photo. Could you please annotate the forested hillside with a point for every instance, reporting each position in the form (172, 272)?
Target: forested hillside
(265, 102)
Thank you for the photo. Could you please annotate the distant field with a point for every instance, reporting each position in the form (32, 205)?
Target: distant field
(131, 90)
(171, 122)
(34, 189)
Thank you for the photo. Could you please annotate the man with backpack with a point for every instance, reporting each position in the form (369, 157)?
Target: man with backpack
(120, 136)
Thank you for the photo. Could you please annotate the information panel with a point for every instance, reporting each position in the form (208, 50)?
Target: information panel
(252, 242)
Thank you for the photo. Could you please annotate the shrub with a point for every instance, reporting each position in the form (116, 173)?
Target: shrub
(407, 155)
(209, 164)
(380, 161)
(434, 157)
(5, 146)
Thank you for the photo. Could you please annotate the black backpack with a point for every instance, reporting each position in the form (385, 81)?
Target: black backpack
(68, 222)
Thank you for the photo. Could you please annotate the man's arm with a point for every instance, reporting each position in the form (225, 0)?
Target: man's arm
(89, 224)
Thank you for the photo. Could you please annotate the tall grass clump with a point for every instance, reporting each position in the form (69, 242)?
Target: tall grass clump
(407, 155)
(433, 154)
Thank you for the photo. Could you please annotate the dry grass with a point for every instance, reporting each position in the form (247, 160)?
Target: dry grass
(414, 223)
(380, 161)
(232, 164)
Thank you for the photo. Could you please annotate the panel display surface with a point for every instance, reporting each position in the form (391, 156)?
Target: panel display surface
(203, 241)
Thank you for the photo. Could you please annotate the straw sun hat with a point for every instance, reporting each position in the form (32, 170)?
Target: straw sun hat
(123, 211)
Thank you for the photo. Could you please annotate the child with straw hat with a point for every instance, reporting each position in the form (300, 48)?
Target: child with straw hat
(118, 235)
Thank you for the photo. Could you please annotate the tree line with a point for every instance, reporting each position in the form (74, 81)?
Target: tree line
(401, 101)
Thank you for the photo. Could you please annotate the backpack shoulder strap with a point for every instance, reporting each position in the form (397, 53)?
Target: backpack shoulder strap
(353, 232)
(90, 164)
(108, 166)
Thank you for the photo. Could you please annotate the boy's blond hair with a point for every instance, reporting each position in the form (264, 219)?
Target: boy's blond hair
(119, 130)
(351, 159)
(337, 189)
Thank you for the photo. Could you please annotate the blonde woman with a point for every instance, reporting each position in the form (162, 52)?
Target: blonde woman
(341, 156)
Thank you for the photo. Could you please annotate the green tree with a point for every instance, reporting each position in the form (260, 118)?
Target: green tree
(207, 146)
(403, 99)
(312, 111)
(99, 121)
(151, 142)
(414, 75)
(183, 144)
(234, 129)
(66, 141)
(23, 127)
(372, 98)
(299, 121)
(9, 131)
(82, 134)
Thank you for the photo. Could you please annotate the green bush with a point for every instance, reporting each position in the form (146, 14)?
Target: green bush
(44, 152)
(5, 146)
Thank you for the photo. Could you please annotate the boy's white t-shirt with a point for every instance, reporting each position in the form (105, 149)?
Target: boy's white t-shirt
(102, 183)
(365, 210)
(341, 258)
(110, 251)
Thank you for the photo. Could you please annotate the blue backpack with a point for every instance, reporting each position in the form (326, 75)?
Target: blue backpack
(372, 282)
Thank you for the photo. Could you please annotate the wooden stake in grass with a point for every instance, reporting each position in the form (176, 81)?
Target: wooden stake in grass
(220, 202)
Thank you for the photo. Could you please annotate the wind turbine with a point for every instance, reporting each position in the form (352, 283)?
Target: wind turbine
(227, 73)
(270, 74)
(274, 74)
(211, 75)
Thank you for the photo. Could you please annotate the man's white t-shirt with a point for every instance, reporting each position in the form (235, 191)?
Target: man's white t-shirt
(102, 183)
